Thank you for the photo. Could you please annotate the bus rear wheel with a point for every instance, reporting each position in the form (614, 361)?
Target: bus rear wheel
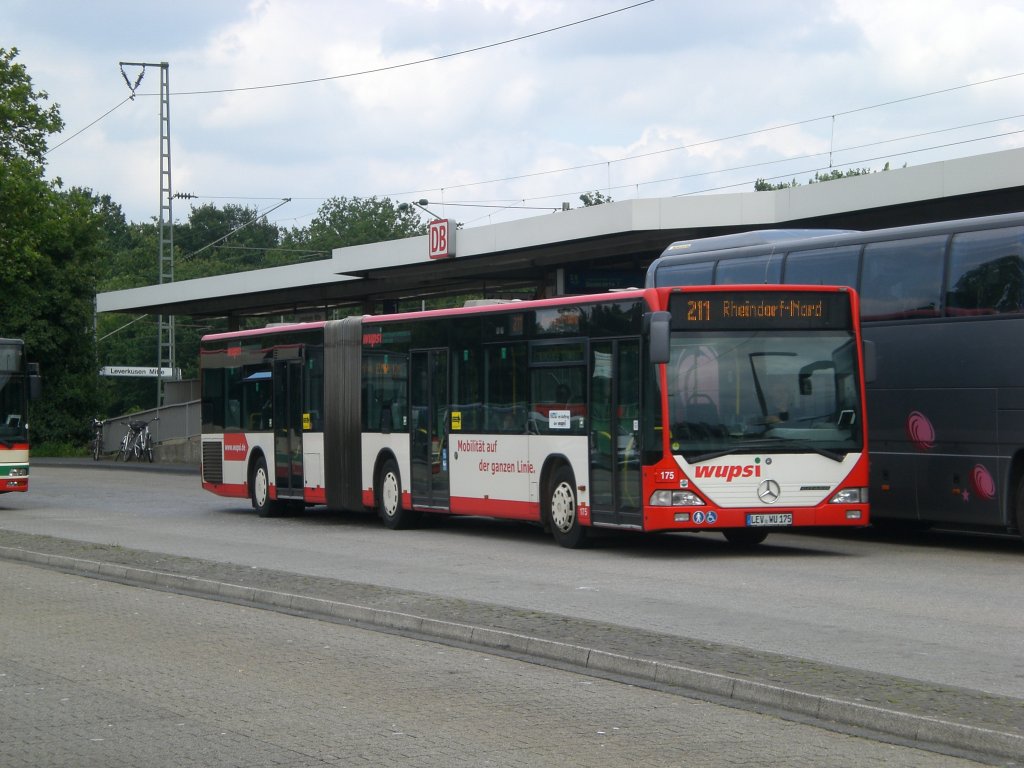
(563, 512)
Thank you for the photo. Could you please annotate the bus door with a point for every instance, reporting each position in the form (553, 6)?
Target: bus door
(615, 431)
(288, 469)
(428, 432)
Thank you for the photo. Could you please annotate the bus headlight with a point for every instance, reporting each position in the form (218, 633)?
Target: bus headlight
(18, 472)
(851, 496)
(675, 499)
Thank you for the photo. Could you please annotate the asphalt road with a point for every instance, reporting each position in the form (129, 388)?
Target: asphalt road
(926, 633)
(946, 610)
(96, 674)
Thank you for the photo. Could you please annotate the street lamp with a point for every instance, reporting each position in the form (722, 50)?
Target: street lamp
(419, 204)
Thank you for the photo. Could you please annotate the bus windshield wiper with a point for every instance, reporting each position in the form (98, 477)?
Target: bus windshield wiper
(803, 445)
(806, 445)
(743, 447)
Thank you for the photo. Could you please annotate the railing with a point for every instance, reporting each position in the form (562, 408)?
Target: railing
(178, 428)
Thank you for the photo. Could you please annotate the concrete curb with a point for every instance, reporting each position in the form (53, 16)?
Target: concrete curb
(923, 731)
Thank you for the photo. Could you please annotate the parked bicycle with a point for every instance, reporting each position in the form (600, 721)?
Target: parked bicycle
(137, 442)
(96, 445)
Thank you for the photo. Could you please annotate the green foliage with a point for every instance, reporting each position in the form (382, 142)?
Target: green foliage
(835, 173)
(24, 121)
(594, 198)
(50, 243)
(59, 247)
(219, 240)
(65, 296)
(346, 221)
(765, 186)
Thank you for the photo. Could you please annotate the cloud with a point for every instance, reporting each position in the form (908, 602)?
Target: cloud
(642, 102)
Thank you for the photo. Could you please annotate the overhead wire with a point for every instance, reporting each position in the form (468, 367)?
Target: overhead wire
(520, 202)
(793, 158)
(429, 59)
(90, 125)
(706, 142)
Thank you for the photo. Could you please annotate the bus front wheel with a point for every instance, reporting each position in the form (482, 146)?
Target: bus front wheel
(563, 511)
(744, 537)
(389, 498)
(259, 490)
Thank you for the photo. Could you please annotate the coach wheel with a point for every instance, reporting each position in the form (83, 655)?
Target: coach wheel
(389, 498)
(563, 511)
(744, 537)
(1020, 508)
(259, 489)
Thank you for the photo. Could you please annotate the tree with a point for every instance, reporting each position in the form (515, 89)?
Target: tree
(594, 198)
(835, 173)
(24, 195)
(765, 186)
(215, 240)
(50, 243)
(58, 328)
(24, 121)
(345, 221)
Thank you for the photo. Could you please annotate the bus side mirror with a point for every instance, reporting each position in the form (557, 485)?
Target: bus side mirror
(658, 335)
(35, 382)
(870, 361)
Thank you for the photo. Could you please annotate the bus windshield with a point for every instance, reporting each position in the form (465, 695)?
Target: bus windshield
(755, 390)
(13, 422)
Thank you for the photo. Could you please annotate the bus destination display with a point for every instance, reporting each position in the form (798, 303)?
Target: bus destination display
(727, 310)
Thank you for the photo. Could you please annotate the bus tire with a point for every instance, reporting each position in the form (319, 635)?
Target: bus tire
(259, 490)
(389, 498)
(1020, 508)
(744, 538)
(563, 511)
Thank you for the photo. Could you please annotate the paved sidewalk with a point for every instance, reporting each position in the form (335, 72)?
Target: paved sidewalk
(950, 720)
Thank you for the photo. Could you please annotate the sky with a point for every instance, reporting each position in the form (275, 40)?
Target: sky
(493, 110)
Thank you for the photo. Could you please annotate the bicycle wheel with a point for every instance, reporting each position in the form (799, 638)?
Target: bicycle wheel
(97, 443)
(149, 449)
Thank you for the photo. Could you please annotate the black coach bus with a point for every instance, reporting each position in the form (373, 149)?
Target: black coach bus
(943, 304)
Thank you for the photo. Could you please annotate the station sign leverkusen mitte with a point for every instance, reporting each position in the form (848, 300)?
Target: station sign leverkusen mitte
(150, 371)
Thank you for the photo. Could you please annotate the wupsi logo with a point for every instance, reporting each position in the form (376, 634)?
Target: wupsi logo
(727, 472)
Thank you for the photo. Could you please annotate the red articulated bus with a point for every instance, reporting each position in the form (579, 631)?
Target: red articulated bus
(736, 409)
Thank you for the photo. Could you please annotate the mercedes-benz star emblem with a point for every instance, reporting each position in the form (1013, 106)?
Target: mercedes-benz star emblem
(769, 491)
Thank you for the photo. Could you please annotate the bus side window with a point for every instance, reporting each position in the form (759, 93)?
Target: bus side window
(755, 271)
(233, 418)
(686, 274)
(902, 280)
(505, 387)
(826, 266)
(986, 273)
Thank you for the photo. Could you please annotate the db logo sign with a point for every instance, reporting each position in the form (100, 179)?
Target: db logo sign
(442, 239)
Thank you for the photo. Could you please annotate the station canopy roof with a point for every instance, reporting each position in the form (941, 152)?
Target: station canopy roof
(620, 237)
